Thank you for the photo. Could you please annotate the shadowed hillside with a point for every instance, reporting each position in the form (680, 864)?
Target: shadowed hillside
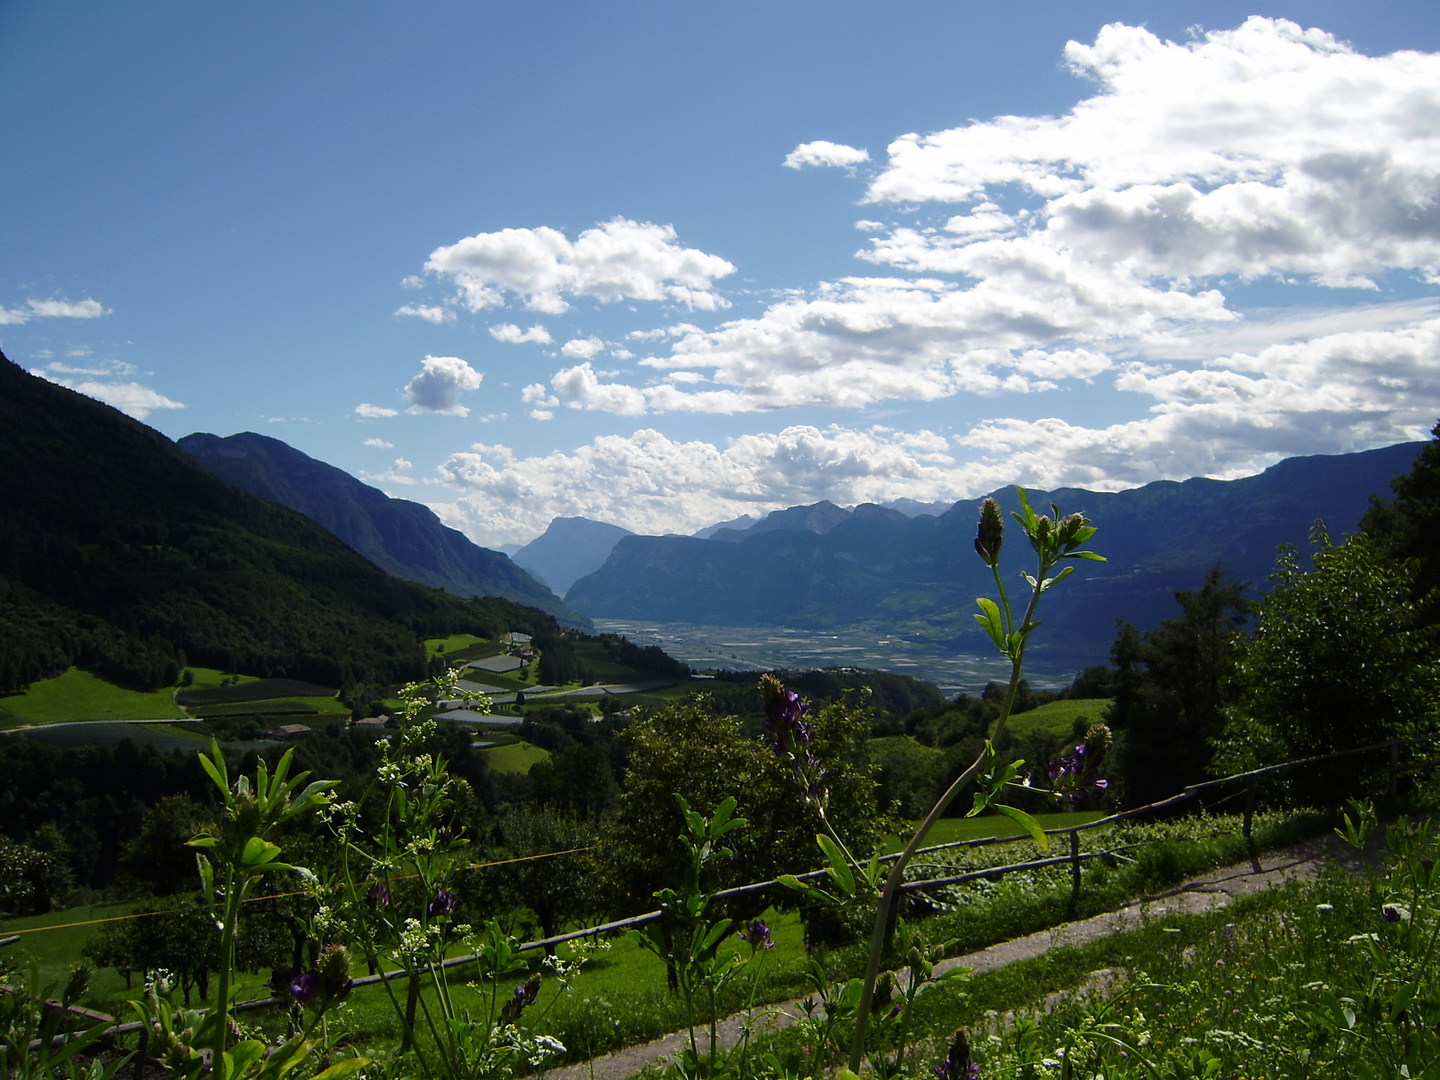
(401, 537)
(118, 553)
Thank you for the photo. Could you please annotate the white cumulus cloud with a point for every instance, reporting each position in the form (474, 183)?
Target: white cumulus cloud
(436, 315)
(582, 348)
(380, 444)
(580, 388)
(131, 398)
(618, 260)
(653, 484)
(398, 473)
(1034, 254)
(366, 411)
(513, 335)
(53, 309)
(820, 154)
(438, 387)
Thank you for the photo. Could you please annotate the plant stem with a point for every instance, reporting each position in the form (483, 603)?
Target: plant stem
(897, 872)
(220, 1012)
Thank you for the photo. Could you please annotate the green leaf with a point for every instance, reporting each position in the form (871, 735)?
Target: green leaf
(1085, 555)
(1061, 576)
(285, 1059)
(850, 996)
(1028, 823)
(992, 622)
(258, 851)
(216, 769)
(839, 868)
(718, 931)
(342, 1069)
(722, 815)
(1029, 518)
(243, 1057)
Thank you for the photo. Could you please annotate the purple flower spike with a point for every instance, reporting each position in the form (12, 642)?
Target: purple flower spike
(443, 904)
(304, 988)
(378, 895)
(958, 1065)
(756, 935)
(524, 996)
(1390, 913)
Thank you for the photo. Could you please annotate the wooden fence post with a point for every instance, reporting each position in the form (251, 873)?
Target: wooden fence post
(1249, 817)
(1074, 869)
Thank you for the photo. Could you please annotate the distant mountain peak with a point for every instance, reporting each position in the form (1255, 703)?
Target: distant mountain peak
(569, 549)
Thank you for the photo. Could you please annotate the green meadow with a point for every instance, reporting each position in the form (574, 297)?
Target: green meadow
(1058, 717)
(78, 695)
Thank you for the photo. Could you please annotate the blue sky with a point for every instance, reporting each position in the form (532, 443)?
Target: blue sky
(666, 264)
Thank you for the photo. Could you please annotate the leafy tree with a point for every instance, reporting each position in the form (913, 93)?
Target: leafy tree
(690, 750)
(1170, 690)
(159, 855)
(576, 781)
(1340, 658)
(1409, 526)
(30, 880)
(559, 890)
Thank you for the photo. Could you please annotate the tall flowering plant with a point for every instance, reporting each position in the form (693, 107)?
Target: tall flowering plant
(1054, 541)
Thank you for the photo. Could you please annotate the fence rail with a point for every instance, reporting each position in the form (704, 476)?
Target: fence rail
(1075, 859)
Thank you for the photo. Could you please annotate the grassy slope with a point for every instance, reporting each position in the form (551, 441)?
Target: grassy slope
(516, 757)
(456, 643)
(1059, 716)
(55, 950)
(78, 695)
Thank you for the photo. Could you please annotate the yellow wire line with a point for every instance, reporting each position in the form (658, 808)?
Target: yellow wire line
(278, 896)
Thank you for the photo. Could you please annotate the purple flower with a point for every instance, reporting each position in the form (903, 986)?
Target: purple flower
(524, 996)
(378, 895)
(756, 935)
(958, 1066)
(304, 988)
(443, 904)
(1077, 777)
(1390, 913)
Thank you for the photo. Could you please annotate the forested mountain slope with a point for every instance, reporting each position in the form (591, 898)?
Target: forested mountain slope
(120, 554)
(401, 537)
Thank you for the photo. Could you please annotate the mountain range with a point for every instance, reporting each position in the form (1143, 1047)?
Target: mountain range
(120, 554)
(821, 566)
(401, 537)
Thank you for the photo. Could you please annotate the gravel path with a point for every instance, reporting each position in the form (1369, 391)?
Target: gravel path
(1206, 892)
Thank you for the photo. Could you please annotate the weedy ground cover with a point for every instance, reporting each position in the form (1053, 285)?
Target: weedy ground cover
(1336, 978)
